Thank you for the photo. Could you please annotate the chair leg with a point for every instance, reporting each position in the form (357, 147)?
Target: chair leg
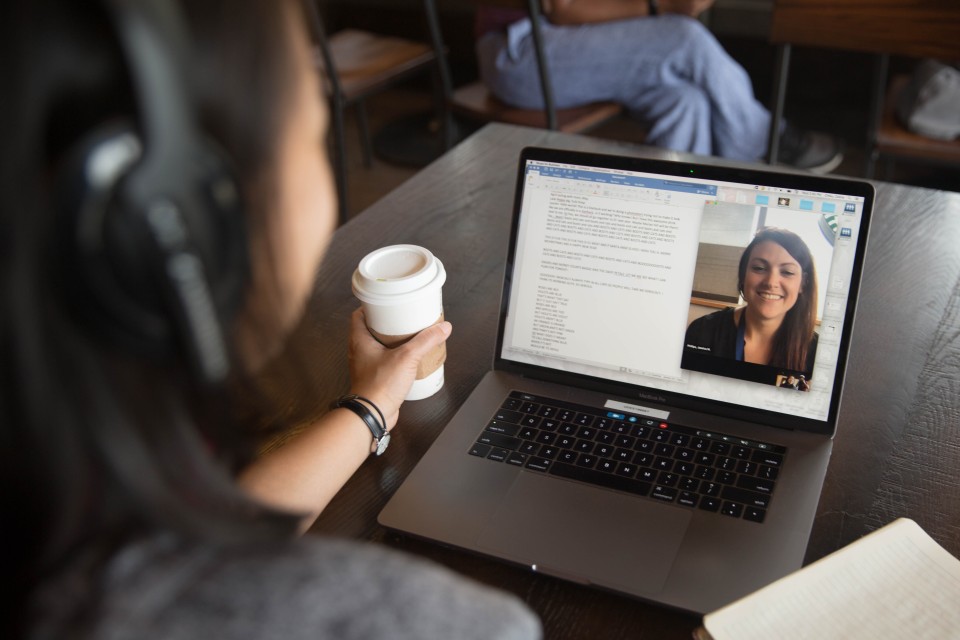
(447, 126)
(340, 161)
(443, 84)
(876, 112)
(318, 33)
(444, 116)
(781, 71)
(546, 86)
(363, 124)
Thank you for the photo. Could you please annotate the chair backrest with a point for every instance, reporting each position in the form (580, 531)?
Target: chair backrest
(535, 9)
(912, 28)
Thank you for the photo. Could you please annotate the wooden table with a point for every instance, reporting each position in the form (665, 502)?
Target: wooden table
(897, 452)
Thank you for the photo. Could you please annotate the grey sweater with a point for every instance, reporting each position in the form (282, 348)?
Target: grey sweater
(311, 588)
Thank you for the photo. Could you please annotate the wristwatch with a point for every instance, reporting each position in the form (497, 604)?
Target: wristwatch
(377, 427)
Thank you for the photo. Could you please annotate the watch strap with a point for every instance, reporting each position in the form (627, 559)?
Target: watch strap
(358, 405)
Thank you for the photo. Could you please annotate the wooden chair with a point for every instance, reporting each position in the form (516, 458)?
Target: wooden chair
(911, 28)
(474, 101)
(355, 65)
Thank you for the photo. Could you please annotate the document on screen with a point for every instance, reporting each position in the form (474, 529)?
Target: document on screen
(605, 280)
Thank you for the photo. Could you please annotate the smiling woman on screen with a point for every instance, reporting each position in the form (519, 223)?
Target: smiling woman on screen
(778, 282)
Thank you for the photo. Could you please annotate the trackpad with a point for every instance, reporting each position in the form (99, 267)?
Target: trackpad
(587, 535)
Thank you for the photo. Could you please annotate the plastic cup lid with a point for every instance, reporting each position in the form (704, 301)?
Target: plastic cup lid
(397, 270)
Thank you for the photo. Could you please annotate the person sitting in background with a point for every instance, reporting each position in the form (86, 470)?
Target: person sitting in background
(654, 58)
(140, 298)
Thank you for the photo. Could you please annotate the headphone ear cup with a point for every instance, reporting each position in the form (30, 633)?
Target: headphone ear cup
(94, 250)
(155, 271)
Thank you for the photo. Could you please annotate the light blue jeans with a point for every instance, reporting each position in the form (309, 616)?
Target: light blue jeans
(668, 71)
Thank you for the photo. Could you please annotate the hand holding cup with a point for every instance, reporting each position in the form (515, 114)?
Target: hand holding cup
(400, 290)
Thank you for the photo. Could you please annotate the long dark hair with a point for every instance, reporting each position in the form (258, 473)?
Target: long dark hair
(97, 446)
(792, 340)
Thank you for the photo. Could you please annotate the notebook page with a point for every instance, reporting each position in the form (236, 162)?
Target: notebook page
(896, 582)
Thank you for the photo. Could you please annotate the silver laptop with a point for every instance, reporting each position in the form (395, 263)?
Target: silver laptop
(627, 437)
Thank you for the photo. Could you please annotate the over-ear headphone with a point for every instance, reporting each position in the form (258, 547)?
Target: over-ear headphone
(152, 215)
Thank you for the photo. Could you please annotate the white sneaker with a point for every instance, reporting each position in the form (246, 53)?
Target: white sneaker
(810, 150)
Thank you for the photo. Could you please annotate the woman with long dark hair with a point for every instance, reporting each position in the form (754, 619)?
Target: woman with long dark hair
(777, 281)
(133, 503)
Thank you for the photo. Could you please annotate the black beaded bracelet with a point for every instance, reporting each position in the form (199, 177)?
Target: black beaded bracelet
(358, 404)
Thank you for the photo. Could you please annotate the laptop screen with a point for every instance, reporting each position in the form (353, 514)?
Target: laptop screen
(722, 288)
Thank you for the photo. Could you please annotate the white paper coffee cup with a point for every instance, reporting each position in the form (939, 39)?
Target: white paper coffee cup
(400, 289)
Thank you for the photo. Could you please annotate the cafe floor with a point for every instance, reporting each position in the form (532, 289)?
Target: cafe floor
(366, 185)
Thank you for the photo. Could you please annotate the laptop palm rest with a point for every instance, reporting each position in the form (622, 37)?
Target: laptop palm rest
(580, 533)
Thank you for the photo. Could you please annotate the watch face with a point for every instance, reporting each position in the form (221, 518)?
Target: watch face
(382, 443)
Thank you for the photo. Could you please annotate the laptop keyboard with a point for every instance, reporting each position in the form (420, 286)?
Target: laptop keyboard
(663, 461)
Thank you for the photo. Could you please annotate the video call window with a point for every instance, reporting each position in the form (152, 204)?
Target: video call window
(758, 292)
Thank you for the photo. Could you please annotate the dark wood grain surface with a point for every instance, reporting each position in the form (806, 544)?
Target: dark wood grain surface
(915, 28)
(897, 452)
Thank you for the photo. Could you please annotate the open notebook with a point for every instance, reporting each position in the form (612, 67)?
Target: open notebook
(896, 582)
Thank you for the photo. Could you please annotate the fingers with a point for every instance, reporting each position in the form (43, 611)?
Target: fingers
(357, 322)
(360, 336)
(366, 350)
(428, 339)
(418, 345)
(691, 8)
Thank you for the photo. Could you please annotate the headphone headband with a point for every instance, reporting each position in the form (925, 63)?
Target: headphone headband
(156, 225)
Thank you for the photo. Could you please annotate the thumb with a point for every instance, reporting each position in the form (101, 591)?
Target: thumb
(428, 339)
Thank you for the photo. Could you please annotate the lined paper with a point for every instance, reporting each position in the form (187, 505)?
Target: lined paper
(896, 582)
